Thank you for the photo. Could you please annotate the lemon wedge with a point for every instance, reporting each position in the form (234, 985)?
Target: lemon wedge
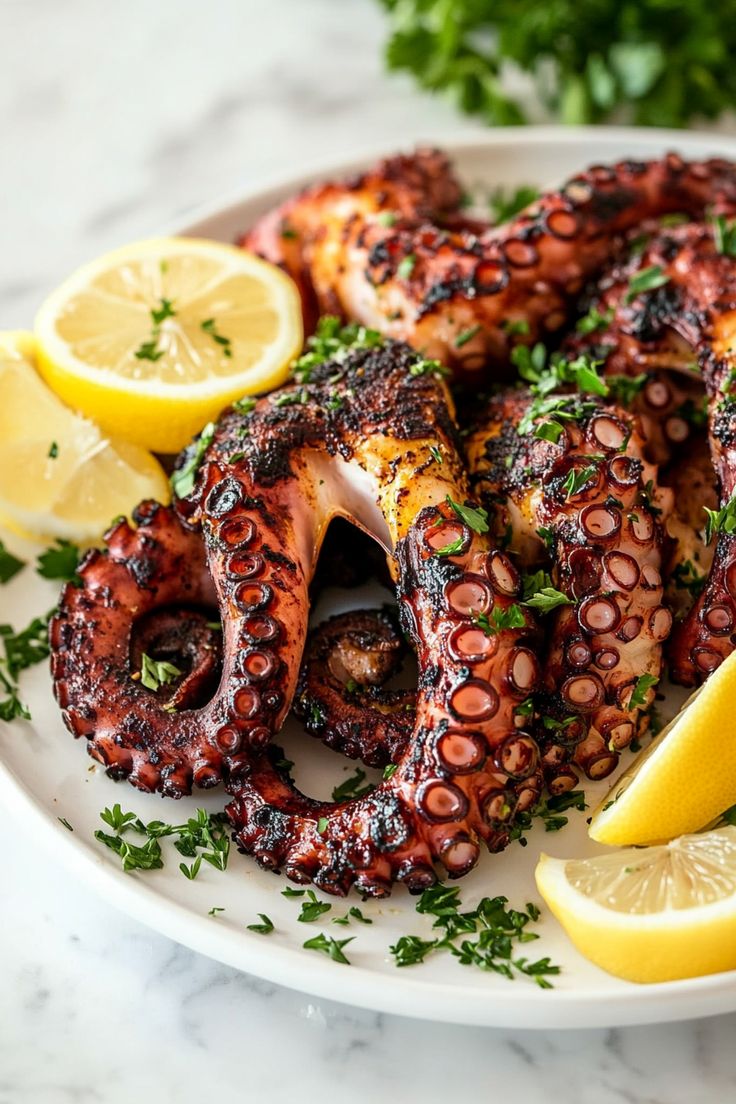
(153, 340)
(650, 914)
(59, 476)
(687, 776)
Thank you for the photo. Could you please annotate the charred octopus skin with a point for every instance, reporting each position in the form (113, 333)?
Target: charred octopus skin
(385, 441)
(588, 507)
(686, 325)
(389, 249)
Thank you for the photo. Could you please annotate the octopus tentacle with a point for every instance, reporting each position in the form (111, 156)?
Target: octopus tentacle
(595, 500)
(466, 767)
(341, 697)
(689, 320)
(453, 292)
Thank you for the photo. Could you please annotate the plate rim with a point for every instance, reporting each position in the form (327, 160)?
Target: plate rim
(440, 1001)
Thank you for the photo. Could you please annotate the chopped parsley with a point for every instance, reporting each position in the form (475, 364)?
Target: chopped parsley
(53, 451)
(498, 932)
(646, 279)
(203, 837)
(329, 946)
(183, 479)
(510, 618)
(209, 326)
(59, 562)
(724, 235)
(21, 650)
(436, 454)
(352, 787)
(148, 350)
(313, 908)
(686, 576)
(595, 320)
(264, 928)
(422, 366)
(10, 565)
(642, 687)
(720, 521)
(576, 479)
(246, 405)
(406, 266)
(214, 910)
(333, 341)
(353, 913)
(156, 673)
(517, 327)
(624, 389)
(539, 594)
(475, 517)
(466, 336)
(507, 202)
(550, 811)
(322, 825)
(389, 771)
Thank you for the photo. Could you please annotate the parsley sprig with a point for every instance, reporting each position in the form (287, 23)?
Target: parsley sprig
(333, 341)
(352, 787)
(648, 64)
(155, 673)
(10, 565)
(541, 595)
(21, 650)
(724, 235)
(60, 561)
(203, 837)
(183, 479)
(498, 932)
(643, 685)
(720, 521)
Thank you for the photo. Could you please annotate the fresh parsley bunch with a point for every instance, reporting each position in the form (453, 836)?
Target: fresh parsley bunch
(652, 62)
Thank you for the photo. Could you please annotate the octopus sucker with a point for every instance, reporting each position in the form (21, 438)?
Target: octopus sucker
(683, 332)
(589, 508)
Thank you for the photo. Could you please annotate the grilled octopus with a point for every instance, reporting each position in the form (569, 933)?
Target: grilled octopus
(365, 439)
(588, 507)
(389, 248)
(684, 329)
(371, 438)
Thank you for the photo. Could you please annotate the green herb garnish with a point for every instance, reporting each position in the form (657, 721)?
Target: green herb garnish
(646, 279)
(59, 562)
(352, 787)
(10, 565)
(209, 326)
(643, 685)
(329, 946)
(475, 517)
(156, 673)
(724, 235)
(183, 479)
(720, 521)
(264, 928)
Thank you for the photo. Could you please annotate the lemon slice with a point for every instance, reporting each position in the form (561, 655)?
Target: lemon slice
(650, 914)
(153, 340)
(685, 778)
(59, 476)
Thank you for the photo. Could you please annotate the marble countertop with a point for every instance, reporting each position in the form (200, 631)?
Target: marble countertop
(118, 120)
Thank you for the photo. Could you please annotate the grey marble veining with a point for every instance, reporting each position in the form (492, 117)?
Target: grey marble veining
(117, 120)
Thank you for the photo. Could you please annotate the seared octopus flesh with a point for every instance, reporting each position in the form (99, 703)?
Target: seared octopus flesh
(371, 437)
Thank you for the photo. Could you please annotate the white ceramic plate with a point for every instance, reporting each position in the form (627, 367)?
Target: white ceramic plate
(45, 775)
